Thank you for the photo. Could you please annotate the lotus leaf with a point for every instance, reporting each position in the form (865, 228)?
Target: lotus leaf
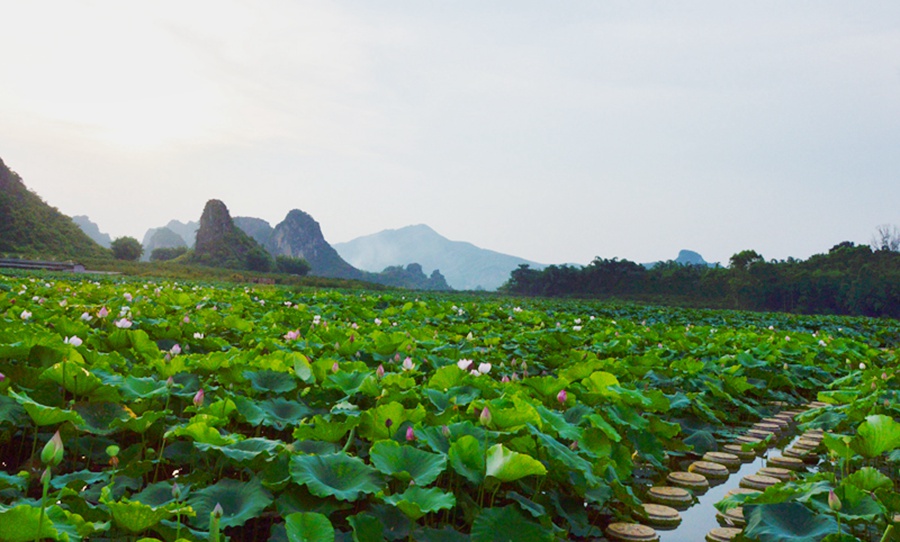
(23, 523)
(240, 502)
(335, 475)
(877, 435)
(507, 525)
(415, 502)
(467, 458)
(786, 522)
(308, 527)
(406, 463)
(507, 465)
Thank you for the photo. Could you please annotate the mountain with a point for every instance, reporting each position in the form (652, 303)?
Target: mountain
(161, 238)
(257, 228)
(30, 227)
(300, 236)
(466, 266)
(92, 230)
(685, 257)
(222, 244)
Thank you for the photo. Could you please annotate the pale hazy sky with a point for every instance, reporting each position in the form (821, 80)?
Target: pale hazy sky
(554, 131)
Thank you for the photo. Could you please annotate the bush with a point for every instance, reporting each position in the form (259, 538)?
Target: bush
(127, 248)
(292, 266)
(167, 253)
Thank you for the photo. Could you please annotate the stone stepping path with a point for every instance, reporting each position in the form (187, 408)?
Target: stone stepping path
(714, 468)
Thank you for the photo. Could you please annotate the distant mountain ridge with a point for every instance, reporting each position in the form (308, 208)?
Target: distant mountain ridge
(92, 230)
(685, 257)
(466, 266)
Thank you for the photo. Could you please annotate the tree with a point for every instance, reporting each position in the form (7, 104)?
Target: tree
(167, 253)
(126, 248)
(887, 238)
(292, 266)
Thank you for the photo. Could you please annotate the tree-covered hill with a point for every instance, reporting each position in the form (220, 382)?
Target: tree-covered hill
(29, 227)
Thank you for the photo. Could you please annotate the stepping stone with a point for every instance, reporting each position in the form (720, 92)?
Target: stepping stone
(801, 454)
(761, 434)
(735, 449)
(775, 472)
(689, 480)
(722, 534)
(787, 416)
(742, 491)
(712, 471)
(785, 425)
(731, 461)
(758, 481)
(733, 517)
(817, 404)
(791, 463)
(768, 427)
(744, 439)
(814, 434)
(631, 532)
(806, 443)
(676, 497)
(662, 516)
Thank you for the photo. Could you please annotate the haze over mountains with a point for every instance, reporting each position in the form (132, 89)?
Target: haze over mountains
(466, 266)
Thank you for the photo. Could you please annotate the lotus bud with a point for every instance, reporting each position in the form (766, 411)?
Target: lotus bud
(2, 377)
(485, 417)
(505, 379)
(445, 431)
(198, 398)
(574, 445)
(176, 492)
(170, 382)
(218, 512)
(884, 376)
(410, 434)
(862, 366)
(562, 396)
(388, 423)
(335, 368)
(833, 501)
(379, 372)
(52, 453)
(397, 357)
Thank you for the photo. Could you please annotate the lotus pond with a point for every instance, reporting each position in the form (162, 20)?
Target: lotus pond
(155, 410)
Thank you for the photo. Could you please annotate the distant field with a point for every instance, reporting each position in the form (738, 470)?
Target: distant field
(328, 415)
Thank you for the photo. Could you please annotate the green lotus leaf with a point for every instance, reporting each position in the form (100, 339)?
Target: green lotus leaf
(279, 412)
(17, 482)
(559, 452)
(702, 442)
(141, 423)
(82, 477)
(373, 421)
(467, 458)
(134, 387)
(507, 465)
(10, 411)
(134, 516)
(74, 525)
(600, 423)
(335, 475)
(43, 415)
(322, 429)
(308, 527)
(447, 534)
(406, 462)
(600, 381)
(201, 432)
(527, 505)
(244, 450)
(240, 501)
(23, 523)
(415, 502)
(877, 435)
(271, 381)
(446, 378)
(507, 524)
(786, 522)
(347, 382)
(366, 527)
(868, 479)
(158, 494)
(558, 423)
(78, 379)
(99, 417)
(517, 415)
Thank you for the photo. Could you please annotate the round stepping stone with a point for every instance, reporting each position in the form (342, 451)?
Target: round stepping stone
(722, 534)
(798, 453)
(791, 463)
(676, 497)
(775, 472)
(735, 449)
(631, 532)
(808, 444)
(660, 515)
(712, 471)
(689, 480)
(758, 481)
(767, 427)
(733, 517)
(787, 415)
(818, 404)
(785, 425)
(742, 491)
(744, 439)
(760, 434)
(730, 461)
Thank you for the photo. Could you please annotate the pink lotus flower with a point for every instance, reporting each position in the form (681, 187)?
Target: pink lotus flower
(103, 312)
(379, 372)
(408, 364)
(187, 319)
(2, 377)
(175, 350)
(124, 323)
(464, 363)
(410, 434)
(198, 398)
(292, 335)
(505, 379)
(562, 396)
(127, 297)
(335, 368)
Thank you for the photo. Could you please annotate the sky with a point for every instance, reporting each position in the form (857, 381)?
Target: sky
(553, 131)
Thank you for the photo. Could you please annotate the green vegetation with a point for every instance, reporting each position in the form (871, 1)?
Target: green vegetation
(166, 254)
(30, 228)
(185, 410)
(291, 266)
(126, 248)
(850, 279)
(222, 244)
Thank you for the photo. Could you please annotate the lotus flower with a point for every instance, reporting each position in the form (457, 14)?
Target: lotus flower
(124, 323)
(86, 317)
(485, 417)
(445, 431)
(175, 350)
(187, 319)
(2, 377)
(73, 340)
(52, 453)
(562, 396)
(335, 368)
(379, 372)
(198, 398)
(198, 335)
(292, 335)
(505, 379)
(127, 297)
(408, 364)
(410, 434)
(103, 312)
(464, 363)
(484, 368)
(25, 315)
(862, 366)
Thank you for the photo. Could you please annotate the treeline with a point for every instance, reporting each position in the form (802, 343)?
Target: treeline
(849, 279)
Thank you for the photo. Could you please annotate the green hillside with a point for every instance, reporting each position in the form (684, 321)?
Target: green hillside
(29, 227)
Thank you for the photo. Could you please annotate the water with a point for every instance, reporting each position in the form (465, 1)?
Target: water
(700, 518)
